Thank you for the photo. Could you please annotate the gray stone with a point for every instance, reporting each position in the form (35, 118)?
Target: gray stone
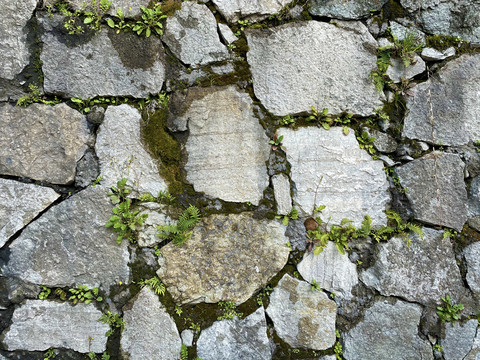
(87, 169)
(472, 257)
(42, 142)
(281, 188)
(236, 339)
(227, 258)
(130, 8)
(103, 66)
(13, 37)
(474, 223)
(150, 332)
(19, 204)
(187, 337)
(334, 74)
(253, 10)
(436, 189)
(345, 9)
(302, 317)
(387, 161)
(156, 216)
(70, 246)
(474, 353)
(121, 152)
(227, 147)
(423, 272)
(191, 34)
(444, 109)
(398, 72)
(383, 142)
(459, 339)
(399, 31)
(474, 198)
(223, 69)
(446, 17)
(388, 331)
(375, 27)
(430, 54)
(96, 115)
(332, 271)
(227, 34)
(329, 168)
(38, 325)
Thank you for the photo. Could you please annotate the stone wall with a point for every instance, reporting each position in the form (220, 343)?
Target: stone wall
(331, 149)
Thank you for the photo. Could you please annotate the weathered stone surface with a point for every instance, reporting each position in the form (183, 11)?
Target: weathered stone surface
(333, 271)
(227, 34)
(236, 339)
(103, 66)
(219, 163)
(333, 74)
(227, 258)
(39, 325)
(129, 8)
(436, 189)
(444, 109)
(387, 332)
(397, 70)
(70, 246)
(459, 339)
(253, 10)
(474, 353)
(474, 197)
(400, 31)
(19, 204)
(302, 317)
(13, 37)
(472, 257)
(191, 33)
(156, 216)
(344, 177)
(423, 272)
(383, 142)
(150, 332)
(187, 337)
(42, 142)
(121, 153)
(435, 55)
(87, 169)
(341, 9)
(281, 188)
(446, 17)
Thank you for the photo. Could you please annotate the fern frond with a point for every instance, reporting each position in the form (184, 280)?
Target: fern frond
(393, 215)
(416, 229)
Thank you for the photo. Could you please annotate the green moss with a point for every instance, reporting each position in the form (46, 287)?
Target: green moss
(393, 10)
(170, 6)
(443, 42)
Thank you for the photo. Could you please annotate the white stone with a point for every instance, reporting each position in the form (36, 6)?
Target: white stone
(227, 34)
(397, 70)
(253, 10)
(281, 188)
(459, 339)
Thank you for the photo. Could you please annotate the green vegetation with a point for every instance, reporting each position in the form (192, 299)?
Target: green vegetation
(366, 142)
(84, 294)
(338, 349)
(449, 312)
(287, 121)
(293, 215)
(113, 320)
(151, 21)
(321, 117)
(93, 356)
(276, 142)
(476, 143)
(50, 354)
(437, 347)
(91, 18)
(44, 293)
(263, 294)
(398, 227)
(34, 96)
(179, 232)
(315, 286)
(407, 48)
(229, 310)
(154, 284)
(85, 105)
(242, 24)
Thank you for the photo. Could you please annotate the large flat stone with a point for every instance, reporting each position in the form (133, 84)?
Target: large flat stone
(345, 9)
(42, 142)
(459, 339)
(13, 36)
(38, 325)
(102, 65)
(227, 147)
(150, 332)
(333, 72)
(330, 168)
(388, 331)
(444, 109)
(191, 33)
(423, 272)
(236, 339)
(121, 152)
(472, 258)
(227, 258)
(70, 246)
(253, 10)
(19, 204)
(302, 317)
(436, 189)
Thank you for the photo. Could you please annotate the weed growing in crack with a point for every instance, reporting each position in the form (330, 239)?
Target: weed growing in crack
(449, 312)
(113, 320)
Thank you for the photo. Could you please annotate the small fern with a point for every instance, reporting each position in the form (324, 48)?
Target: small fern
(397, 227)
(154, 284)
(179, 232)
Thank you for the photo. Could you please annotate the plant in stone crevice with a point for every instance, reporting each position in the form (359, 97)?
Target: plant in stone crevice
(292, 215)
(338, 349)
(93, 356)
(365, 141)
(276, 142)
(180, 232)
(34, 96)
(322, 117)
(229, 310)
(113, 320)
(84, 294)
(397, 227)
(449, 312)
(44, 293)
(50, 354)
(91, 18)
(407, 48)
(263, 294)
(150, 22)
(154, 284)
(85, 105)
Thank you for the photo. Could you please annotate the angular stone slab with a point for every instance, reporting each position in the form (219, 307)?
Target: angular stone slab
(281, 188)
(302, 317)
(13, 37)
(333, 74)
(459, 339)
(70, 246)
(454, 122)
(227, 258)
(345, 178)
(38, 325)
(42, 142)
(253, 10)
(102, 66)
(333, 271)
(19, 204)
(397, 70)
(345, 9)
(227, 147)
(191, 33)
(157, 215)
(236, 339)
(423, 272)
(436, 189)
(388, 331)
(472, 258)
(150, 332)
(121, 152)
